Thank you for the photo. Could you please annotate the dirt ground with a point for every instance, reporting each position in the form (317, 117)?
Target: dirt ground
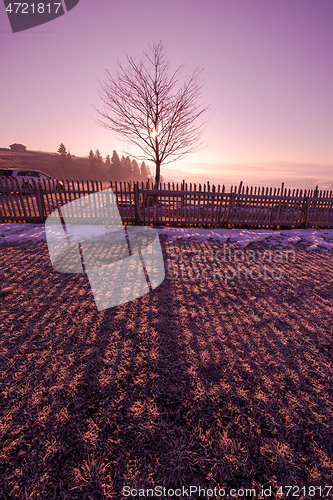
(210, 381)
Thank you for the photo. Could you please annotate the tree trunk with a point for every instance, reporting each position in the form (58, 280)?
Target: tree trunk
(158, 172)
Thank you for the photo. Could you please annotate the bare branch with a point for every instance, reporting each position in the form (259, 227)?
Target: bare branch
(153, 109)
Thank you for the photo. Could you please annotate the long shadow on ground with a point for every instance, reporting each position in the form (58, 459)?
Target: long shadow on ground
(199, 383)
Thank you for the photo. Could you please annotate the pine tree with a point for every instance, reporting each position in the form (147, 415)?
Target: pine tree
(98, 157)
(145, 171)
(135, 169)
(91, 158)
(123, 167)
(69, 157)
(128, 168)
(62, 149)
(116, 172)
(63, 152)
(108, 161)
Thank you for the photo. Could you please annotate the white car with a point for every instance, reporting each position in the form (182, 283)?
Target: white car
(23, 176)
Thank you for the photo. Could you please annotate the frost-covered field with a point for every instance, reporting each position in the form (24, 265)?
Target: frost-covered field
(202, 382)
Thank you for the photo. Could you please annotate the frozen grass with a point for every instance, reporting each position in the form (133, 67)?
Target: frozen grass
(313, 238)
(197, 383)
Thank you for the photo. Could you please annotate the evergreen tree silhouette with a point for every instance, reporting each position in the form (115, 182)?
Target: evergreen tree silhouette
(135, 169)
(98, 157)
(62, 149)
(126, 165)
(91, 158)
(115, 166)
(145, 171)
(63, 152)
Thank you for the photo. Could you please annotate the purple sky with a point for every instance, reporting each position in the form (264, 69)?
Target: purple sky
(267, 67)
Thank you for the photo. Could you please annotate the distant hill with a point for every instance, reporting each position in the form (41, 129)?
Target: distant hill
(50, 163)
(294, 175)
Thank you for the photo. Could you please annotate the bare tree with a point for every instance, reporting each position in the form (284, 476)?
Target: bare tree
(154, 109)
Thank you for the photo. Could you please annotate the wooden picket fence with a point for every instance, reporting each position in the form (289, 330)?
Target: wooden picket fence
(173, 204)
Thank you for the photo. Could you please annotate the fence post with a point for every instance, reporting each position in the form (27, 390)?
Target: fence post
(40, 202)
(306, 212)
(231, 203)
(136, 203)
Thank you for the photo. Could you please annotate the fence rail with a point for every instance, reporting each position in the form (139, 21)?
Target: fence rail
(172, 204)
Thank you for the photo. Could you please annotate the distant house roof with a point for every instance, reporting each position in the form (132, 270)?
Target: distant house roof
(18, 147)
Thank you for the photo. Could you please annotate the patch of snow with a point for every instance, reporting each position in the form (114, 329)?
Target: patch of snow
(22, 232)
(315, 239)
